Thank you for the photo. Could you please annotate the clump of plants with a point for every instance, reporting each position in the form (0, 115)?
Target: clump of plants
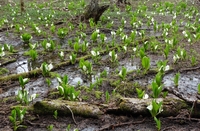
(155, 108)
(46, 68)
(17, 117)
(26, 37)
(66, 90)
(23, 95)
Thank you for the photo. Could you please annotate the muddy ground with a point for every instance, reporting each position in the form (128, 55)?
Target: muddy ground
(116, 121)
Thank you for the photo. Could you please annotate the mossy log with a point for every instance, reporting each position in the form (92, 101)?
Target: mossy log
(171, 106)
(94, 10)
(7, 61)
(25, 74)
(133, 106)
(63, 107)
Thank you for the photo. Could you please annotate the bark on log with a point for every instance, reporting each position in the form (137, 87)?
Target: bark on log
(133, 106)
(78, 108)
(171, 106)
(94, 10)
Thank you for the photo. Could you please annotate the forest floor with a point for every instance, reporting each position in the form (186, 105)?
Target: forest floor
(100, 88)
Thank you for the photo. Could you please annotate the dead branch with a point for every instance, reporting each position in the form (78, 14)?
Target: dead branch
(179, 95)
(185, 119)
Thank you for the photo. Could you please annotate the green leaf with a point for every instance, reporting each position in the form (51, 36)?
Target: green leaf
(140, 93)
(158, 79)
(155, 89)
(65, 79)
(21, 80)
(146, 62)
(142, 52)
(61, 90)
(198, 88)
(158, 123)
(12, 119)
(55, 114)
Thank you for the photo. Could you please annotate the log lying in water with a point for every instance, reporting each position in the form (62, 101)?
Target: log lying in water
(67, 108)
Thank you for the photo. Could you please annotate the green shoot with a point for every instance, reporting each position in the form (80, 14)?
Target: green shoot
(176, 79)
(107, 97)
(146, 63)
(55, 115)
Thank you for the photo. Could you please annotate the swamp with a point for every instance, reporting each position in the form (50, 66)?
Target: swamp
(95, 65)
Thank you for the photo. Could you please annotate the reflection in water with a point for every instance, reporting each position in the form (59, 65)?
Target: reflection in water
(33, 65)
(25, 66)
(22, 66)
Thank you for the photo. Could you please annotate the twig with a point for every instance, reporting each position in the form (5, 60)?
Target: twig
(35, 124)
(21, 66)
(176, 93)
(189, 69)
(183, 118)
(168, 128)
(121, 124)
(194, 103)
(72, 114)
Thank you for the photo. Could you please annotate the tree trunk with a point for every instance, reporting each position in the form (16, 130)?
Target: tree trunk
(22, 6)
(93, 10)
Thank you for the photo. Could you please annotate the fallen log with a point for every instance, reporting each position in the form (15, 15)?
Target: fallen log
(64, 107)
(132, 106)
(171, 106)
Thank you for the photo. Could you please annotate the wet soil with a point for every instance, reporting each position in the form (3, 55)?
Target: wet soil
(95, 94)
(114, 122)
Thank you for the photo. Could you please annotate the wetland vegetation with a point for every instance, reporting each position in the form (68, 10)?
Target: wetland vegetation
(136, 68)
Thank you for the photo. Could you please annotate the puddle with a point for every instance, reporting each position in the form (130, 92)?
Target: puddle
(22, 66)
(33, 87)
(18, 67)
(76, 80)
(188, 83)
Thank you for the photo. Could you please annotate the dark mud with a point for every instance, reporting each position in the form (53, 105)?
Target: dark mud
(187, 86)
